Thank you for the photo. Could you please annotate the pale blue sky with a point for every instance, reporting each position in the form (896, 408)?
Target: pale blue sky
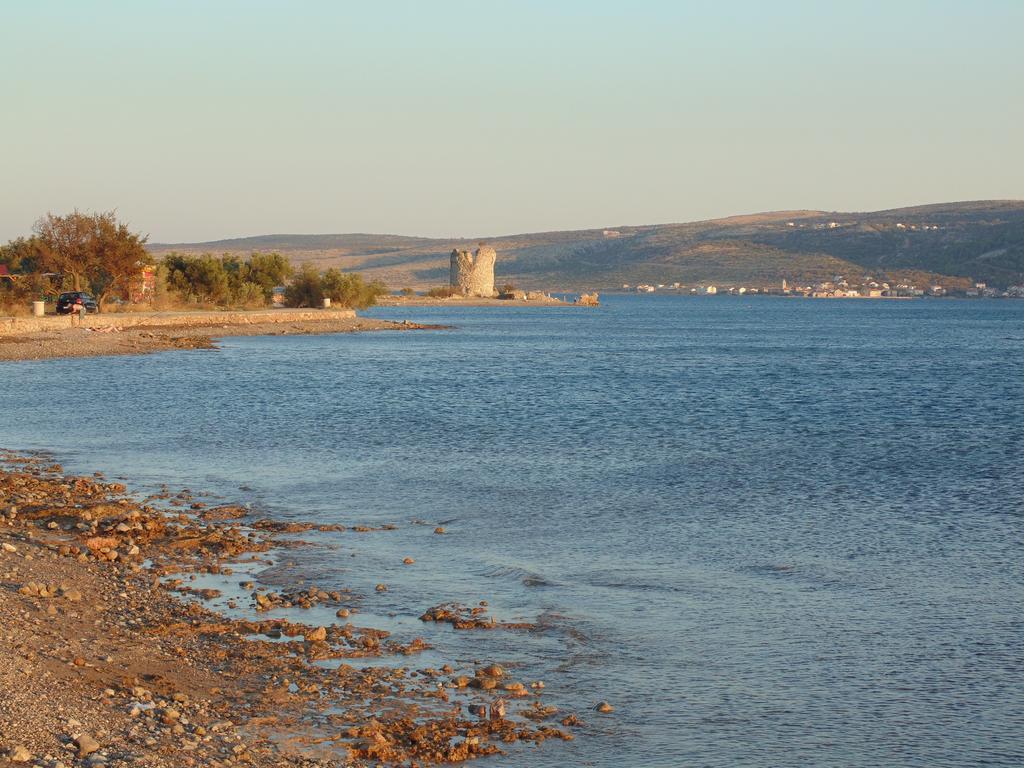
(202, 120)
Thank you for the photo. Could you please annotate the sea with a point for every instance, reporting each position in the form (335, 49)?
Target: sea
(768, 531)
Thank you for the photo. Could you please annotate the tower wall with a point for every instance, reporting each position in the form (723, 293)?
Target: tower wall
(472, 274)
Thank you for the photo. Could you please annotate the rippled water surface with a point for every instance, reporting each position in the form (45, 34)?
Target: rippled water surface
(771, 532)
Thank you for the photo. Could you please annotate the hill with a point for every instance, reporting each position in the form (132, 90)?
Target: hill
(949, 243)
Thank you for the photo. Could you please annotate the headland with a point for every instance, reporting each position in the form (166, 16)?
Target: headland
(40, 338)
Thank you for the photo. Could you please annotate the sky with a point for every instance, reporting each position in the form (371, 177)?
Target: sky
(205, 120)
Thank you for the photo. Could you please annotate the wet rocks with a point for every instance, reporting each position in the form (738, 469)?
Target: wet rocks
(463, 617)
(603, 706)
(221, 513)
(317, 635)
(308, 598)
(538, 712)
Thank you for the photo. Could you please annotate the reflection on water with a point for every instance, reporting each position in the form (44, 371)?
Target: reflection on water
(770, 532)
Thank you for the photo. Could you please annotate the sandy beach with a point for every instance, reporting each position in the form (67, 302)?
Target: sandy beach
(109, 656)
(138, 333)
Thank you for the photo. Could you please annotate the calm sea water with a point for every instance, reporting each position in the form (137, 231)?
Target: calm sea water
(770, 532)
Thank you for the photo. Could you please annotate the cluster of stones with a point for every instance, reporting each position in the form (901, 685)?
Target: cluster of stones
(464, 617)
(472, 274)
(33, 589)
(265, 601)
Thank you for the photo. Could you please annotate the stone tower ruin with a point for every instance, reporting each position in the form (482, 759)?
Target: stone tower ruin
(472, 274)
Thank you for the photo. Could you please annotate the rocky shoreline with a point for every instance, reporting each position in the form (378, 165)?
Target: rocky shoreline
(109, 657)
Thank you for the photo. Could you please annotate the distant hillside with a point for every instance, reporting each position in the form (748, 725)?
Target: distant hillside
(947, 243)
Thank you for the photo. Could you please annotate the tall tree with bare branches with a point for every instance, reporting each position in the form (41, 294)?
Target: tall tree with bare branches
(65, 244)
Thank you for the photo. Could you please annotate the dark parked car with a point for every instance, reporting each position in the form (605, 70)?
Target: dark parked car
(66, 302)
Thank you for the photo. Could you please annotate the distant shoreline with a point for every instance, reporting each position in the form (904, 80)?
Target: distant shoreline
(726, 294)
(461, 301)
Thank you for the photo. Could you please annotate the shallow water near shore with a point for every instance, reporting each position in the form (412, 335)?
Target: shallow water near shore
(768, 531)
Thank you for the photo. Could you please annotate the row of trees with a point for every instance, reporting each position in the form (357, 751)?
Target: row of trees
(225, 280)
(96, 252)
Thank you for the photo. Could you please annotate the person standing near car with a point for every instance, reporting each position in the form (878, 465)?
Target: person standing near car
(78, 310)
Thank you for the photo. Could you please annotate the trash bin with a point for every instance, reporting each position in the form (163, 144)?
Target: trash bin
(38, 308)
(327, 303)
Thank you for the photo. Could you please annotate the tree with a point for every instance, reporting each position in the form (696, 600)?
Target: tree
(207, 279)
(306, 289)
(118, 256)
(21, 255)
(268, 270)
(65, 244)
(91, 247)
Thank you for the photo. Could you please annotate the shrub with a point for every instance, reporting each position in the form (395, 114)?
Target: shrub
(348, 289)
(442, 292)
(305, 290)
(250, 295)
(344, 289)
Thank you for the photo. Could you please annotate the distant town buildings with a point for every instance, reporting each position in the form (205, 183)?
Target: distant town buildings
(839, 287)
(915, 227)
(922, 227)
